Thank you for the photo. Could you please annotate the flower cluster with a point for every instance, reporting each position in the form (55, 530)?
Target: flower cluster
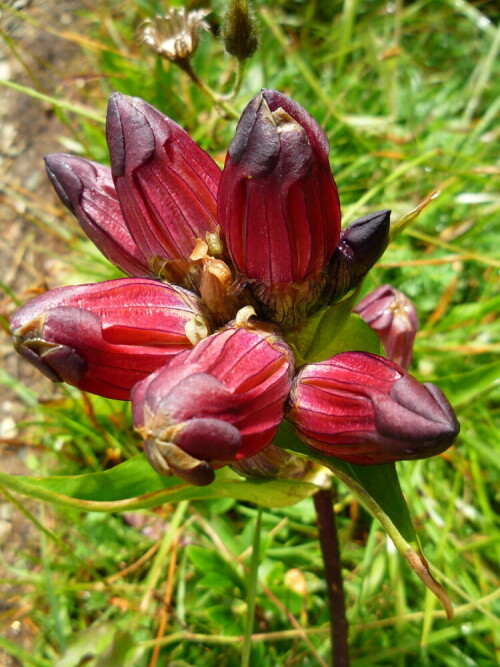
(224, 268)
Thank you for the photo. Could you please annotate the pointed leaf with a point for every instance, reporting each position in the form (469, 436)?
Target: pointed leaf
(407, 219)
(135, 485)
(377, 488)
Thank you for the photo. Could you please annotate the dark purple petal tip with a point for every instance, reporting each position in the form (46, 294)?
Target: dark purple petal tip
(130, 137)
(65, 181)
(364, 409)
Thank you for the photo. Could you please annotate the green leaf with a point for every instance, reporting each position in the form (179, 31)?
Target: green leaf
(407, 219)
(332, 330)
(90, 642)
(135, 485)
(210, 561)
(119, 652)
(355, 335)
(377, 488)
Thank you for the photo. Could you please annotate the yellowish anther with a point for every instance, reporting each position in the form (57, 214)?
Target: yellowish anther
(196, 329)
(283, 120)
(216, 283)
(220, 270)
(200, 251)
(400, 310)
(242, 319)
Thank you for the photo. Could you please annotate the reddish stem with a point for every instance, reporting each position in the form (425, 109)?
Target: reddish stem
(329, 541)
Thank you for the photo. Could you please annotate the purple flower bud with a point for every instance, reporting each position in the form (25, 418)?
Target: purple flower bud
(166, 185)
(392, 315)
(278, 204)
(361, 244)
(104, 338)
(219, 402)
(87, 189)
(364, 409)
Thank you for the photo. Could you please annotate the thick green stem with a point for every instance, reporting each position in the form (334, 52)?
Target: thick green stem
(252, 592)
(330, 549)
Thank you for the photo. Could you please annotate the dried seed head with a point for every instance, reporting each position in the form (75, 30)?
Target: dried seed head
(175, 35)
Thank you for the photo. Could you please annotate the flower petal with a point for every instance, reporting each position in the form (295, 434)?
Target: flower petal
(166, 184)
(219, 402)
(364, 409)
(105, 338)
(87, 189)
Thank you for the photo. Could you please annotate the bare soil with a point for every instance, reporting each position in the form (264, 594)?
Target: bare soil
(33, 57)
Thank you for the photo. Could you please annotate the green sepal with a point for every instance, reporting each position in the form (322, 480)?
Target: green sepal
(332, 330)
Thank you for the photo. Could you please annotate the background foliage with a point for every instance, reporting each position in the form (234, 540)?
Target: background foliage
(406, 93)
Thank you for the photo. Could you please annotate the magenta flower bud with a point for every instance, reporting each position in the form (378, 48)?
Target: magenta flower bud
(166, 184)
(364, 409)
(392, 315)
(361, 244)
(104, 338)
(87, 189)
(219, 402)
(278, 204)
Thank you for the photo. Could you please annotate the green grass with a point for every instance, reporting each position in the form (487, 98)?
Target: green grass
(408, 96)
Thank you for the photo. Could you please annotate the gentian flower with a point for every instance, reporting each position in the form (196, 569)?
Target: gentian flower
(219, 402)
(278, 205)
(222, 268)
(365, 409)
(392, 315)
(104, 338)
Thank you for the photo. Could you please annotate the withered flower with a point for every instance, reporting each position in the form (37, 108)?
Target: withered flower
(176, 34)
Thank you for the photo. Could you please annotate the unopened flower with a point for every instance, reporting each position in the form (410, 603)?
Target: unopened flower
(219, 402)
(239, 31)
(166, 186)
(278, 205)
(361, 244)
(275, 463)
(87, 189)
(175, 35)
(104, 338)
(364, 409)
(392, 315)
(265, 237)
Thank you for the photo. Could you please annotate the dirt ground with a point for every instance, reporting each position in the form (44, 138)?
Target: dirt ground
(28, 129)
